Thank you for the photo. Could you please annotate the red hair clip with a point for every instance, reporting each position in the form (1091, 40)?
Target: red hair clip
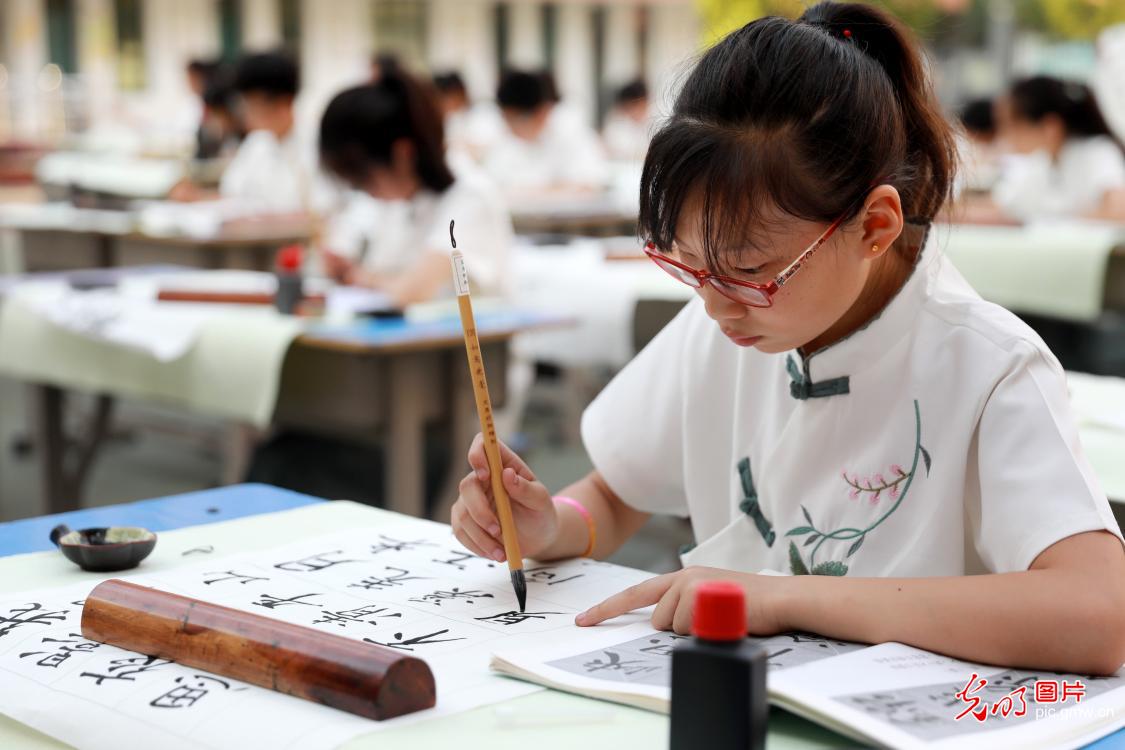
(847, 33)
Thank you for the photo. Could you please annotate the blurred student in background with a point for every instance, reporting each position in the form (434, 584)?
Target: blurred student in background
(273, 167)
(627, 129)
(273, 170)
(385, 139)
(470, 129)
(976, 146)
(543, 148)
(221, 129)
(1109, 75)
(199, 74)
(1066, 163)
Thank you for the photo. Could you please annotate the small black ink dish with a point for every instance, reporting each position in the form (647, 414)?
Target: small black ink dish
(104, 549)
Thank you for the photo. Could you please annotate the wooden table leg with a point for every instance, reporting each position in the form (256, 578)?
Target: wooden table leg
(239, 440)
(50, 441)
(106, 252)
(62, 484)
(464, 424)
(404, 487)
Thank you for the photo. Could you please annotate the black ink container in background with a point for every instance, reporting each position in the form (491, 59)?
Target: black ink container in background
(719, 696)
(290, 287)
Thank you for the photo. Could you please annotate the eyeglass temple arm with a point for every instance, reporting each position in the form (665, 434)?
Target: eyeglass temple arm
(793, 267)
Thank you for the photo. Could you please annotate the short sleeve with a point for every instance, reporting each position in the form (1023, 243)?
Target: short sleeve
(483, 229)
(1105, 167)
(634, 430)
(1036, 487)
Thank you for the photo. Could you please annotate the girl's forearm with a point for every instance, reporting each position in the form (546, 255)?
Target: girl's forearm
(1039, 619)
(615, 522)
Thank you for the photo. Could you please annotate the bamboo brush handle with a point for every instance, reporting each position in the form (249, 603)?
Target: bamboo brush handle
(488, 430)
(360, 678)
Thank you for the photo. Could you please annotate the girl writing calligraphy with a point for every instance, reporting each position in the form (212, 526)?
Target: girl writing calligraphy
(837, 404)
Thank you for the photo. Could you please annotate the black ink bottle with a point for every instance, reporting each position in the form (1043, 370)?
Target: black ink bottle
(290, 283)
(719, 677)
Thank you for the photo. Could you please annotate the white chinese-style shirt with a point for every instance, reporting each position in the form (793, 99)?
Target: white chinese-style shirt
(937, 440)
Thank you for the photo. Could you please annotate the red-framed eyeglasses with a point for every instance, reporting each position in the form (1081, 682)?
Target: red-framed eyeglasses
(743, 292)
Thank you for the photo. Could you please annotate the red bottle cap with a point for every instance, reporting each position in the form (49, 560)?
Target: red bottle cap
(720, 611)
(289, 258)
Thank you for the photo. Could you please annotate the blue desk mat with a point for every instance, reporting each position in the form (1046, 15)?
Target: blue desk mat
(397, 330)
(160, 514)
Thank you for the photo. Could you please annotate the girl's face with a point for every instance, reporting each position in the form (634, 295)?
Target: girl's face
(1022, 136)
(828, 286)
(398, 180)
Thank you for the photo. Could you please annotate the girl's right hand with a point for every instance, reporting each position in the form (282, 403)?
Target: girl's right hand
(474, 518)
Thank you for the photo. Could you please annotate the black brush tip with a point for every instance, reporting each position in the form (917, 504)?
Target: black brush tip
(520, 586)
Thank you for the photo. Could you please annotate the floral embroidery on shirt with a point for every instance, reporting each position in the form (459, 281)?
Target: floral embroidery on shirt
(876, 484)
(896, 485)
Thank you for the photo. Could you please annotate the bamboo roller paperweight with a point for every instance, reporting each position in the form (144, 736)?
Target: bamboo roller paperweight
(360, 678)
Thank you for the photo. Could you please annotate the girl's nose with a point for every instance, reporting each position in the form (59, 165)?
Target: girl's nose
(720, 307)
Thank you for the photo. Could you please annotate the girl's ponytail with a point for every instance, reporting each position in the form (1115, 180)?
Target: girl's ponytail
(800, 118)
(419, 102)
(361, 125)
(930, 147)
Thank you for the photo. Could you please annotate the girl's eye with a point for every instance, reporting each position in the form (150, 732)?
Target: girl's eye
(750, 271)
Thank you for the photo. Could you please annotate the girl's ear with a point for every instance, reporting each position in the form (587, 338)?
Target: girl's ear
(882, 220)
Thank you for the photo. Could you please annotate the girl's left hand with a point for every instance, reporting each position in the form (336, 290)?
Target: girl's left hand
(674, 597)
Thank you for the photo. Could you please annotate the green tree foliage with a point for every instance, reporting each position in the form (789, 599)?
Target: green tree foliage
(1078, 19)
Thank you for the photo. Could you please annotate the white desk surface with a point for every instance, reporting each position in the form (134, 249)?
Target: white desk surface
(478, 728)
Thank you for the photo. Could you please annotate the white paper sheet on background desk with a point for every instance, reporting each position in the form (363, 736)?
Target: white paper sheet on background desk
(410, 587)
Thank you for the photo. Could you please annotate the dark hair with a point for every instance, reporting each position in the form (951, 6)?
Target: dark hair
(205, 68)
(1034, 98)
(631, 92)
(385, 62)
(523, 91)
(803, 116)
(550, 85)
(219, 93)
(272, 73)
(450, 82)
(361, 124)
(977, 117)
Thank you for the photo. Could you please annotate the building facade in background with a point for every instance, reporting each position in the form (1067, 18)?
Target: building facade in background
(72, 66)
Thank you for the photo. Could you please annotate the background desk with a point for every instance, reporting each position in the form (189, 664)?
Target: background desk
(628, 727)
(65, 248)
(373, 379)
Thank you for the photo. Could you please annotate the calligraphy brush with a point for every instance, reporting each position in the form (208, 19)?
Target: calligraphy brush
(487, 428)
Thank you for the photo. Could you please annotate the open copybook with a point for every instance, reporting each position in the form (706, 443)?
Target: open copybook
(891, 694)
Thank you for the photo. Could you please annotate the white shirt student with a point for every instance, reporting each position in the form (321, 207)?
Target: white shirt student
(276, 175)
(1034, 185)
(565, 153)
(387, 237)
(1108, 75)
(887, 501)
(475, 130)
